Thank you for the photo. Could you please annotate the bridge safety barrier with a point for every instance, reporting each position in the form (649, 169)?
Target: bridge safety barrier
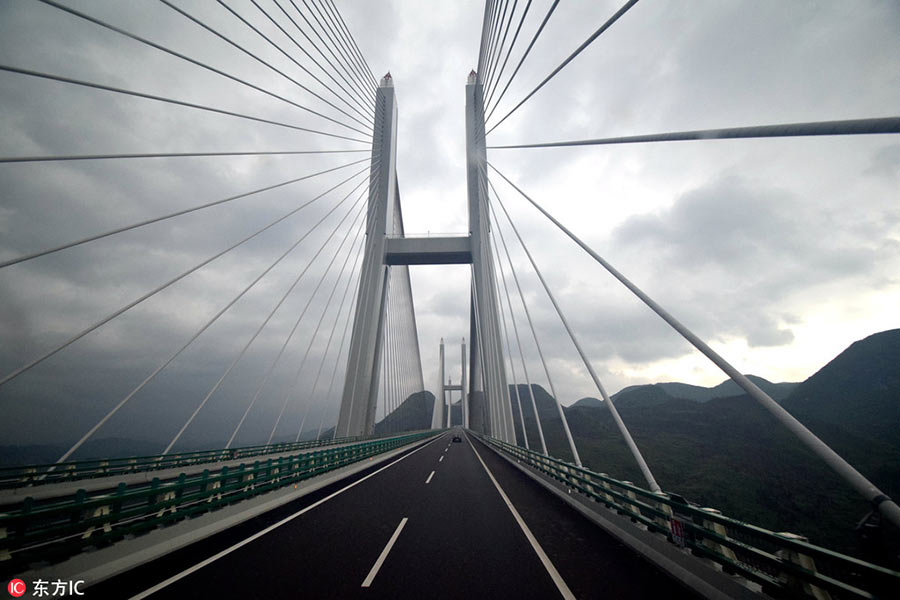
(21, 476)
(52, 530)
(783, 564)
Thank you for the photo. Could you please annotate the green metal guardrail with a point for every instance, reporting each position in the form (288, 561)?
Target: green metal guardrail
(784, 564)
(25, 475)
(53, 530)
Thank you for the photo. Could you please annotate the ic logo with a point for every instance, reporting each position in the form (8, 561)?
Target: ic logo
(16, 588)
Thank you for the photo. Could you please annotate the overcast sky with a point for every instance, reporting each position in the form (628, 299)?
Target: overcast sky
(780, 253)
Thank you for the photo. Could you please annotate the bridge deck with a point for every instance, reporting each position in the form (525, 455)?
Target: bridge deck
(459, 540)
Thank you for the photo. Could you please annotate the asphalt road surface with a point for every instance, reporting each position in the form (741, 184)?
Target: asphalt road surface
(430, 523)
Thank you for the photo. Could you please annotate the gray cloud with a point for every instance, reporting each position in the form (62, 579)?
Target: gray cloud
(740, 240)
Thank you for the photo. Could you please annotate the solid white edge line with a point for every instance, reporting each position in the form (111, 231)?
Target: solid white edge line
(371, 576)
(268, 529)
(545, 560)
(427, 481)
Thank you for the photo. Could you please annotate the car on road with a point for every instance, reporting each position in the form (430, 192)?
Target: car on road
(456, 438)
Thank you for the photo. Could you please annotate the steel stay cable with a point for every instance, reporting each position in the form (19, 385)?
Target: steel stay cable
(342, 53)
(388, 339)
(397, 319)
(384, 387)
(483, 349)
(405, 349)
(290, 389)
(72, 157)
(369, 123)
(365, 290)
(389, 352)
(404, 346)
(395, 355)
(476, 344)
(493, 351)
(293, 330)
(193, 61)
(497, 343)
(524, 56)
(492, 37)
(495, 16)
(498, 51)
(349, 281)
(397, 334)
(303, 420)
(340, 351)
(475, 365)
(308, 55)
(512, 268)
(623, 429)
(350, 312)
(512, 365)
(259, 60)
(496, 82)
(537, 416)
(502, 393)
(362, 100)
(196, 335)
(484, 25)
(486, 397)
(878, 125)
(343, 47)
(854, 478)
(407, 346)
(415, 333)
(571, 57)
(284, 297)
(384, 393)
(489, 40)
(487, 349)
(158, 289)
(528, 383)
(334, 288)
(332, 9)
(116, 90)
(297, 375)
(262, 326)
(179, 213)
(412, 332)
(487, 19)
(321, 423)
(368, 93)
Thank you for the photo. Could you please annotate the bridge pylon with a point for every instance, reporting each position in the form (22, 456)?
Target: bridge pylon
(489, 402)
(443, 404)
(485, 393)
(360, 396)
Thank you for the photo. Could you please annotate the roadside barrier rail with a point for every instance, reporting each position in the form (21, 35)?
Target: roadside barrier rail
(50, 531)
(39, 474)
(784, 564)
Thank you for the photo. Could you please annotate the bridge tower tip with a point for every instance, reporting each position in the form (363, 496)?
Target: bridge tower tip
(473, 76)
(387, 80)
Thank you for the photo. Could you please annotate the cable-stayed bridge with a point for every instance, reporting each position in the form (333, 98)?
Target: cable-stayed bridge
(272, 338)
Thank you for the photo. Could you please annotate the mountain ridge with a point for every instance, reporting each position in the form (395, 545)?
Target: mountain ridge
(730, 453)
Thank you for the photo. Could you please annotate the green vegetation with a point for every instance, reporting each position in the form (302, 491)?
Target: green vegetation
(731, 454)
